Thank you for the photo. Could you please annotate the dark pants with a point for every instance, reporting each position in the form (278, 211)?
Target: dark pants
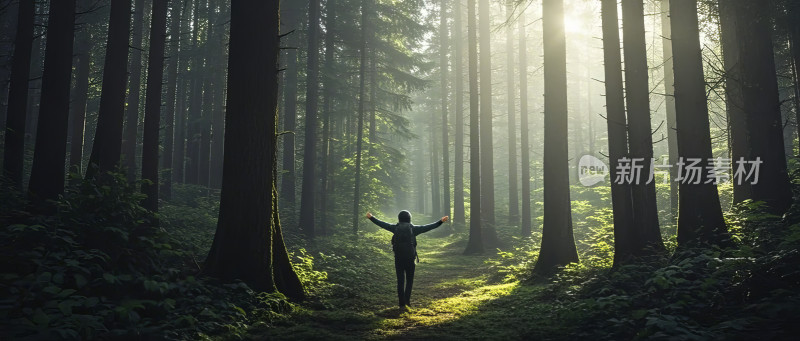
(405, 273)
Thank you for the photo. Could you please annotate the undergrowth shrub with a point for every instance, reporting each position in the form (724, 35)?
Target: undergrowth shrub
(98, 269)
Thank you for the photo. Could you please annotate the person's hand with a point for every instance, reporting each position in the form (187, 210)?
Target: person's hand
(369, 215)
(445, 218)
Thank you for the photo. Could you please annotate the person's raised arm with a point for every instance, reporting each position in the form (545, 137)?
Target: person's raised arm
(425, 228)
(382, 224)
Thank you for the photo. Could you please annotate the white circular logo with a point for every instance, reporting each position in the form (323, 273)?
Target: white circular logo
(591, 170)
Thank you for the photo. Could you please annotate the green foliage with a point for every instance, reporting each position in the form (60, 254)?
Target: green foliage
(98, 269)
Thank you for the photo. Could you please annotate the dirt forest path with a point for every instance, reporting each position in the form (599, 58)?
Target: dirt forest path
(455, 297)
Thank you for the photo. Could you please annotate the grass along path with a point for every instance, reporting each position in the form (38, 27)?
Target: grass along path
(454, 298)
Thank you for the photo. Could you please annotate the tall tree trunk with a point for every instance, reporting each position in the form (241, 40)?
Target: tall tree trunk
(459, 211)
(134, 88)
(360, 129)
(486, 143)
(152, 106)
(669, 100)
(47, 173)
(288, 193)
(513, 191)
(108, 137)
(80, 95)
(621, 200)
(436, 200)
(558, 243)
(699, 215)
(327, 108)
(475, 242)
(761, 104)
(195, 101)
(734, 101)
(308, 191)
(172, 83)
(14, 147)
(445, 130)
(245, 245)
(647, 236)
(524, 128)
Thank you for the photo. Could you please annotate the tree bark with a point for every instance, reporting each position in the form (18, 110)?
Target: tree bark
(647, 236)
(487, 145)
(621, 200)
(699, 215)
(47, 172)
(108, 138)
(243, 245)
(197, 68)
(475, 242)
(558, 243)
(16, 114)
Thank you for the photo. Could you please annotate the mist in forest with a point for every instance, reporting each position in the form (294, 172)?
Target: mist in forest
(418, 169)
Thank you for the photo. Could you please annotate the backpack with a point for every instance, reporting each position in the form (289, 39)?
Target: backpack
(404, 242)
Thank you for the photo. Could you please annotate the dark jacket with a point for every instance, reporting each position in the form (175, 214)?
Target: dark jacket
(418, 229)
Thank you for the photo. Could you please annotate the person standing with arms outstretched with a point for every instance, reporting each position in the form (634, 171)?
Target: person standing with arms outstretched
(404, 245)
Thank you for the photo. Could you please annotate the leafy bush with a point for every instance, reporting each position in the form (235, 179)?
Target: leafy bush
(98, 269)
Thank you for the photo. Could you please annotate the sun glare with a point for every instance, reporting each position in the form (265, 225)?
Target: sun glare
(572, 25)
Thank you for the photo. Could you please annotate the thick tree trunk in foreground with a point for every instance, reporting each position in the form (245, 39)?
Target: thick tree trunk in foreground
(459, 211)
(699, 215)
(558, 243)
(475, 243)
(524, 127)
(16, 114)
(487, 145)
(646, 236)
(47, 173)
(617, 133)
(152, 105)
(108, 138)
(134, 89)
(245, 246)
